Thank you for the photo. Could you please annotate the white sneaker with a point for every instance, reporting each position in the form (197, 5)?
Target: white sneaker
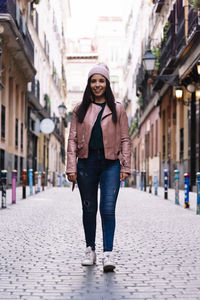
(108, 261)
(90, 257)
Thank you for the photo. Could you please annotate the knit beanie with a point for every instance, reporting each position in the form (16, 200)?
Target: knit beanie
(100, 69)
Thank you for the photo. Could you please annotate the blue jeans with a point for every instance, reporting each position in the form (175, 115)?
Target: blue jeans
(91, 172)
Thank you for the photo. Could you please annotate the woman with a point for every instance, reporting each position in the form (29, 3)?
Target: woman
(99, 138)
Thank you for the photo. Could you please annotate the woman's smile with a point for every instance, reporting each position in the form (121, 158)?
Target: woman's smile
(98, 85)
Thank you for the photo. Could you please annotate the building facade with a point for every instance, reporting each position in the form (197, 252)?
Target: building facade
(17, 69)
(33, 77)
(168, 125)
(46, 152)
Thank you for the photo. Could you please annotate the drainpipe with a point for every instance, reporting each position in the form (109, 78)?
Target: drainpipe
(186, 10)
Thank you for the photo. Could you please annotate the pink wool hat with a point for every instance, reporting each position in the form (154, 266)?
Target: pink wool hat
(100, 69)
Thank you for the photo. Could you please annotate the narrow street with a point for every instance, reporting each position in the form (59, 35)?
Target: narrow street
(42, 242)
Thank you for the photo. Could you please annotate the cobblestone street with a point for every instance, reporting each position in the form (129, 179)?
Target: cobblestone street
(42, 242)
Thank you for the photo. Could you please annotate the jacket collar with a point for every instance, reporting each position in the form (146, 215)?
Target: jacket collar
(93, 111)
(106, 111)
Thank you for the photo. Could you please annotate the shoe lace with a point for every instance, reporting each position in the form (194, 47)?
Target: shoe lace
(88, 253)
(108, 257)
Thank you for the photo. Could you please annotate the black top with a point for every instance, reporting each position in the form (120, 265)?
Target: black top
(96, 139)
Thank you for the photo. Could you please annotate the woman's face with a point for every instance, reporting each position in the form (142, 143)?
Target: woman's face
(98, 85)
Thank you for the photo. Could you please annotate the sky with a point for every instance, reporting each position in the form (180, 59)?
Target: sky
(85, 12)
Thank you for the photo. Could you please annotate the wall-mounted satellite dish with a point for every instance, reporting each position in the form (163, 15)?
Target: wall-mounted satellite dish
(47, 126)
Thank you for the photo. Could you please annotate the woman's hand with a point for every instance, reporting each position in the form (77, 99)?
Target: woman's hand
(123, 176)
(72, 177)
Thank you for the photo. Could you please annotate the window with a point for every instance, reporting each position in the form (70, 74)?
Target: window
(152, 141)
(16, 132)
(156, 146)
(21, 167)
(3, 121)
(36, 22)
(2, 159)
(16, 163)
(163, 139)
(163, 147)
(181, 143)
(22, 136)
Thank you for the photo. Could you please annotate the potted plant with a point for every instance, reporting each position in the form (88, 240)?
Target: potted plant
(195, 4)
(157, 52)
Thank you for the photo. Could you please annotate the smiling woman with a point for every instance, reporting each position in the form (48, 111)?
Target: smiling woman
(99, 139)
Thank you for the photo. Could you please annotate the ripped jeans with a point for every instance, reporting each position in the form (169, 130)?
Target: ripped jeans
(91, 172)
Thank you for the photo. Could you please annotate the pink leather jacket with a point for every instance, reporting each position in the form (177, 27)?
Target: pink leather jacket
(115, 137)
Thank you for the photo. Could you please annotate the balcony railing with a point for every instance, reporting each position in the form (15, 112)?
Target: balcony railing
(194, 23)
(35, 88)
(181, 32)
(159, 4)
(167, 49)
(11, 7)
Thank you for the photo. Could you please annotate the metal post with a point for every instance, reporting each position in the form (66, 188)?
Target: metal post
(3, 188)
(43, 180)
(144, 180)
(36, 181)
(49, 179)
(155, 185)
(166, 184)
(138, 180)
(14, 177)
(30, 176)
(150, 184)
(24, 184)
(186, 188)
(198, 193)
(39, 180)
(176, 184)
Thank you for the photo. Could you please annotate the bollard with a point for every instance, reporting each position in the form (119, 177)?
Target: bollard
(39, 180)
(24, 184)
(61, 179)
(186, 188)
(3, 188)
(14, 178)
(198, 193)
(30, 176)
(165, 184)
(49, 179)
(155, 185)
(144, 180)
(176, 184)
(43, 180)
(150, 184)
(36, 181)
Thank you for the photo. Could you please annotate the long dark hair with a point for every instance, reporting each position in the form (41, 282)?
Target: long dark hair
(88, 98)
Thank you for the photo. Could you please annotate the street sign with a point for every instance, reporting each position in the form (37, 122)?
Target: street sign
(47, 126)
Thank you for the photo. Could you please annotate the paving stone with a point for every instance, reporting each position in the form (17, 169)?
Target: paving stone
(42, 242)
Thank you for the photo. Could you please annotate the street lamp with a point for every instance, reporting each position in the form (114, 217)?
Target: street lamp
(179, 93)
(198, 67)
(149, 61)
(62, 109)
(197, 92)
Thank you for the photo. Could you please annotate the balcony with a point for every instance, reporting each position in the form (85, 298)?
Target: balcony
(16, 35)
(158, 5)
(180, 33)
(140, 78)
(194, 24)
